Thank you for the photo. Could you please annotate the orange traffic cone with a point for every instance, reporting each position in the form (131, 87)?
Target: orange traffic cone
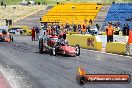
(130, 37)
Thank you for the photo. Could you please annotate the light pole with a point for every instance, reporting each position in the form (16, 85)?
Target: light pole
(14, 13)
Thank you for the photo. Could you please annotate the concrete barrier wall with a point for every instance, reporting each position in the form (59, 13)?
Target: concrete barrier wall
(71, 32)
(85, 41)
(116, 47)
(116, 38)
(96, 42)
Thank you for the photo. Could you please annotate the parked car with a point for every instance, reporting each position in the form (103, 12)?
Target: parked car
(20, 30)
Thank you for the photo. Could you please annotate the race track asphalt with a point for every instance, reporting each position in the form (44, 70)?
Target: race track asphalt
(24, 67)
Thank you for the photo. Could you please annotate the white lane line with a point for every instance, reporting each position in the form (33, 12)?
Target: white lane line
(107, 53)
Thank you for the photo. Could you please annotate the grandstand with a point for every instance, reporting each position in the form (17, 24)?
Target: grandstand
(72, 13)
(119, 12)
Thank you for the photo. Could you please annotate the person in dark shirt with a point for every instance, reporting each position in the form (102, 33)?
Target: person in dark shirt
(6, 22)
(124, 30)
(79, 28)
(57, 28)
(127, 29)
(57, 3)
(39, 3)
(67, 26)
(88, 29)
(2, 4)
(10, 22)
(74, 28)
(97, 26)
(37, 32)
(90, 21)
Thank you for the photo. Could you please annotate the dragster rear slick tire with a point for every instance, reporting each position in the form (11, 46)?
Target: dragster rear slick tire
(12, 39)
(41, 45)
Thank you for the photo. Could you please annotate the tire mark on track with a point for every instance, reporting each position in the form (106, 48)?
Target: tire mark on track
(54, 68)
(62, 68)
(18, 76)
(22, 47)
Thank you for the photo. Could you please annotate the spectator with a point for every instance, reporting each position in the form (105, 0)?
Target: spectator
(79, 28)
(39, 3)
(90, 21)
(74, 28)
(129, 19)
(33, 34)
(67, 26)
(52, 26)
(88, 29)
(29, 3)
(2, 4)
(97, 26)
(116, 30)
(57, 3)
(48, 31)
(124, 31)
(4, 32)
(62, 3)
(127, 29)
(37, 32)
(70, 28)
(84, 27)
(43, 3)
(35, 3)
(117, 23)
(109, 32)
(94, 31)
(10, 22)
(43, 29)
(57, 28)
(96, 7)
(40, 19)
(6, 22)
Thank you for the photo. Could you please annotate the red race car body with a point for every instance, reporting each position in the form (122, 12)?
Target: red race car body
(67, 50)
(53, 45)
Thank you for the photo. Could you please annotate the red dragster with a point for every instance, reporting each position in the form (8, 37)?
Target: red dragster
(5, 36)
(55, 45)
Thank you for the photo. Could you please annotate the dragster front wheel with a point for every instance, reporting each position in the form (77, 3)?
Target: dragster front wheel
(54, 51)
(77, 50)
